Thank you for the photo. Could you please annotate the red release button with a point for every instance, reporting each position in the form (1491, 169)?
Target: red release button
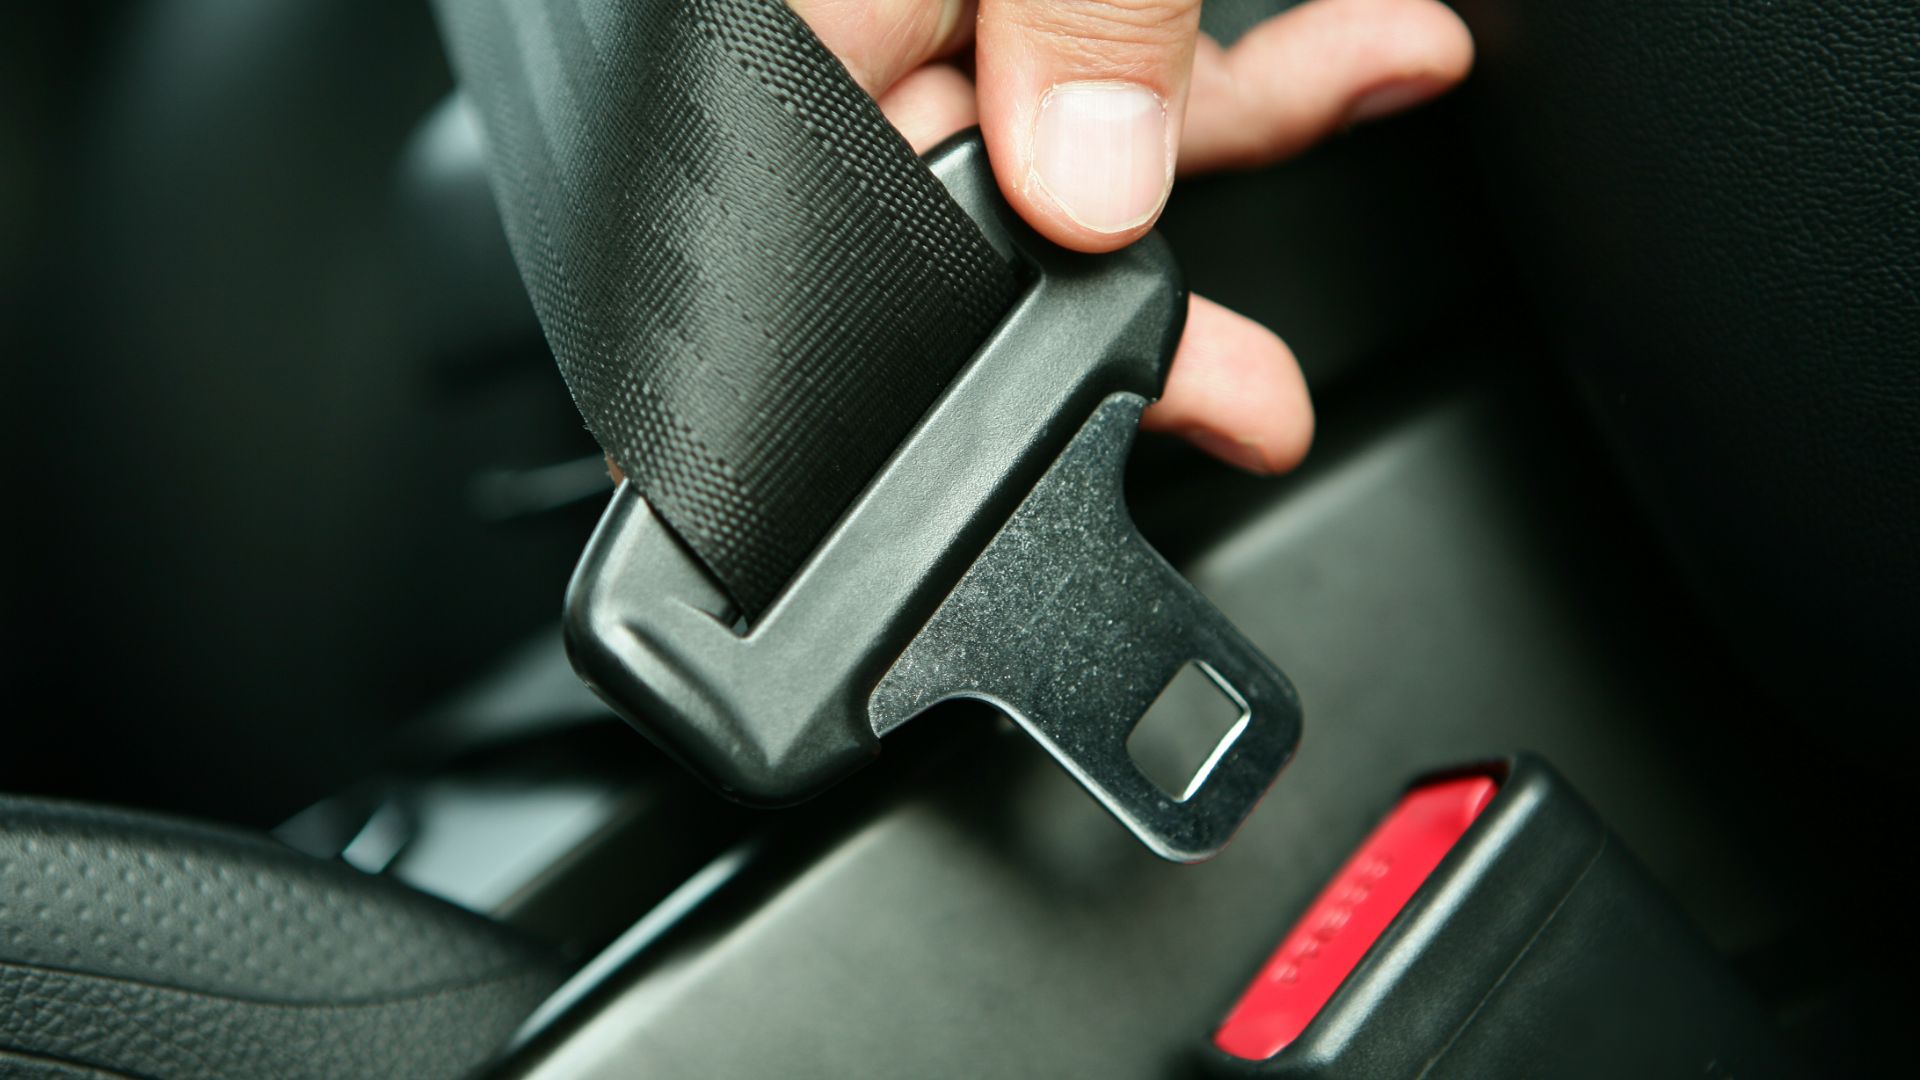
(1349, 914)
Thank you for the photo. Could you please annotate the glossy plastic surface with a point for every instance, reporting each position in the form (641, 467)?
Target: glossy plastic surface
(1350, 914)
(1537, 947)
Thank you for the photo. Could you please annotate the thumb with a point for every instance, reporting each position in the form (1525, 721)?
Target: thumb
(1081, 104)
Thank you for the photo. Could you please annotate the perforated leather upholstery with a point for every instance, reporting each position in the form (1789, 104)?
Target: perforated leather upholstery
(133, 944)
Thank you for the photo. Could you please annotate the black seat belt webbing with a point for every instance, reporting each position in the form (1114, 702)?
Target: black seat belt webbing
(753, 287)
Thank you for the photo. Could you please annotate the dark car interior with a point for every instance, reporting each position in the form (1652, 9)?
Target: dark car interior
(1616, 490)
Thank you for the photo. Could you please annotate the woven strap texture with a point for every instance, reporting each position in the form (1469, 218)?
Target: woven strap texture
(753, 287)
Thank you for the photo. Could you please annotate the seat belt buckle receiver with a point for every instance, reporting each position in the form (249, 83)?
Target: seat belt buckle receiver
(992, 557)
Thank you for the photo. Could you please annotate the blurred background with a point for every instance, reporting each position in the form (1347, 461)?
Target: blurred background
(288, 458)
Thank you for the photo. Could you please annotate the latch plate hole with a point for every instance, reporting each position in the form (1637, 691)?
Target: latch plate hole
(1187, 730)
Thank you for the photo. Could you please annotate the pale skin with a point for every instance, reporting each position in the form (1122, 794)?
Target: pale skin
(1091, 108)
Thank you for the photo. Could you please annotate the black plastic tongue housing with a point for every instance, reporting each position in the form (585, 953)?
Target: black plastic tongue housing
(991, 557)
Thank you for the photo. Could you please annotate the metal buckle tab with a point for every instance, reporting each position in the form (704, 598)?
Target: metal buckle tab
(992, 558)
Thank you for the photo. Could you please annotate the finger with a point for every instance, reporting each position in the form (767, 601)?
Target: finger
(1081, 104)
(1234, 388)
(930, 104)
(1310, 70)
(1236, 392)
(881, 41)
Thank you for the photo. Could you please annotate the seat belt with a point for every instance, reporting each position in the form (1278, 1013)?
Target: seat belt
(872, 426)
(752, 285)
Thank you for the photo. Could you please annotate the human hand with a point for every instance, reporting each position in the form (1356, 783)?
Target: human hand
(1091, 108)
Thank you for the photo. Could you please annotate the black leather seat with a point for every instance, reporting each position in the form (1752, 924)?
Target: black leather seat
(1718, 206)
(138, 945)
